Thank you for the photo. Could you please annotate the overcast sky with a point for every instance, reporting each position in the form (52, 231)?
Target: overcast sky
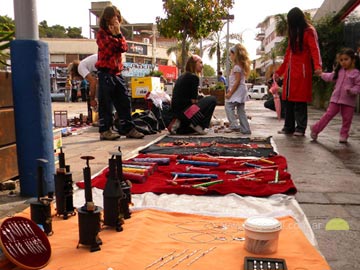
(75, 13)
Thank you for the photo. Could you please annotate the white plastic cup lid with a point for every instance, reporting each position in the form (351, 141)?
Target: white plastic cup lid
(262, 224)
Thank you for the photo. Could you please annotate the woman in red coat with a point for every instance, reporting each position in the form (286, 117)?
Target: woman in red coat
(302, 56)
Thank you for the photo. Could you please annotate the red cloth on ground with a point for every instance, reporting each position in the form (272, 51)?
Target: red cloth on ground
(157, 182)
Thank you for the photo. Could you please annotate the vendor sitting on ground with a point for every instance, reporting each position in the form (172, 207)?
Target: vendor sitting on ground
(190, 114)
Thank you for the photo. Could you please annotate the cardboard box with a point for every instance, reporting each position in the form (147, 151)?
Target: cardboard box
(141, 86)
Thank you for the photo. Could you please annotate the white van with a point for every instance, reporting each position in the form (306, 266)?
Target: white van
(258, 92)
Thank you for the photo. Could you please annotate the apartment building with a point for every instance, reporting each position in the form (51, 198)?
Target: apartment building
(268, 37)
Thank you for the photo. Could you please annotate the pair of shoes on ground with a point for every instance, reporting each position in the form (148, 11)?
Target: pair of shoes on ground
(294, 133)
(134, 134)
(198, 129)
(283, 131)
(230, 130)
(173, 126)
(108, 136)
(299, 133)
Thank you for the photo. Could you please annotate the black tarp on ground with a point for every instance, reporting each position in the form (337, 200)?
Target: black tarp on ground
(214, 146)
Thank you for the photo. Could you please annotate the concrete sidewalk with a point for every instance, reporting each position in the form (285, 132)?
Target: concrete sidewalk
(326, 173)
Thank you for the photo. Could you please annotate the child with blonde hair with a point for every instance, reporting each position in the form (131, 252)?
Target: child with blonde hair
(236, 94)
(343, 99)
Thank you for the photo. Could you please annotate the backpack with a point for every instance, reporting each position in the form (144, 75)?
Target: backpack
(146, 122)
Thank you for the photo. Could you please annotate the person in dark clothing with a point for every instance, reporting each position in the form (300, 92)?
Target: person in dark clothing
(190, 113)
(270, 104)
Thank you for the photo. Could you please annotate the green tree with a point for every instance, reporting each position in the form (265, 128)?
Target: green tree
(74, 32)
(192, 19)
(253, 76)
(331, 39)
(58, 31)
(208, 71)
(7, 33)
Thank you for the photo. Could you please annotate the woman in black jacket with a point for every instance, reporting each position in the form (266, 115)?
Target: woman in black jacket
(190, 113)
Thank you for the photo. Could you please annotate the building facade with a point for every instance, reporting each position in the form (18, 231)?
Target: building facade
(268, 37)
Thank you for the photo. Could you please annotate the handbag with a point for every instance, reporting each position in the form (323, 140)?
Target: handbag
(194, 115)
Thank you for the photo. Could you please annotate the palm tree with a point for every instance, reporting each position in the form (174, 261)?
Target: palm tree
(217, 45)
(190, 47)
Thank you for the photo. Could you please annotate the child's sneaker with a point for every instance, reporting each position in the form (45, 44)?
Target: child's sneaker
(342, 140)
(313, 135)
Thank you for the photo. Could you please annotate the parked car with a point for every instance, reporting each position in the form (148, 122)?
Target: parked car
(258, 92)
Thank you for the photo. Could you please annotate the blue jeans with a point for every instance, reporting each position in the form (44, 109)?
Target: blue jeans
(113, 91)
(230, 113)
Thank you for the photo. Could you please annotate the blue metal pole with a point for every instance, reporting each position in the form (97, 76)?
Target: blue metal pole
(32, 100)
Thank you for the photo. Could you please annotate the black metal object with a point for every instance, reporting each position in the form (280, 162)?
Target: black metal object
(40, 208)
(64, 189)
(89, 215)
(112, 196)
(125, 187)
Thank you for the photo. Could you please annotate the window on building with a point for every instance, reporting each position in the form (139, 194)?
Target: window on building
(148, 61)
(57, 58)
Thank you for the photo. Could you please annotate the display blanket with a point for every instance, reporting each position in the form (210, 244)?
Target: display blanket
(244, 176)
(215, 146)
(154, 239)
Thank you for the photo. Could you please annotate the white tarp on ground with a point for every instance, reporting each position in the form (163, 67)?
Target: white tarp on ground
(231, 205)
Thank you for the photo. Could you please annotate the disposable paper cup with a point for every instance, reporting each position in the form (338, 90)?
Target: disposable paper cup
(262, 235)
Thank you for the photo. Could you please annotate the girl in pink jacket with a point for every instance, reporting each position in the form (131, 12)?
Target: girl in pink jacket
(347, 85)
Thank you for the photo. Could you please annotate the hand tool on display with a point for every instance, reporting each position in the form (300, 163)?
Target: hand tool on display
(209, 159)
(196, 169)
(40, 208)
(239, 172)
(149, 169)
(248, 164)
(64, 188)
(170, 156)
(112, 196)
(159, 161)
(181, 174)
(89, 215)
(144, 172)
(208, 184)
(266, 161)
(134, 177)
(187, 180)
(276, 179)
(198, 163)
(153, 165)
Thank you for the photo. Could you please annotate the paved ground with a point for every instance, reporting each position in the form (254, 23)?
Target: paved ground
(326, 174)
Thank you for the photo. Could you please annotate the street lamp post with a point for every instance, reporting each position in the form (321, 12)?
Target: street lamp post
(228, 18)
